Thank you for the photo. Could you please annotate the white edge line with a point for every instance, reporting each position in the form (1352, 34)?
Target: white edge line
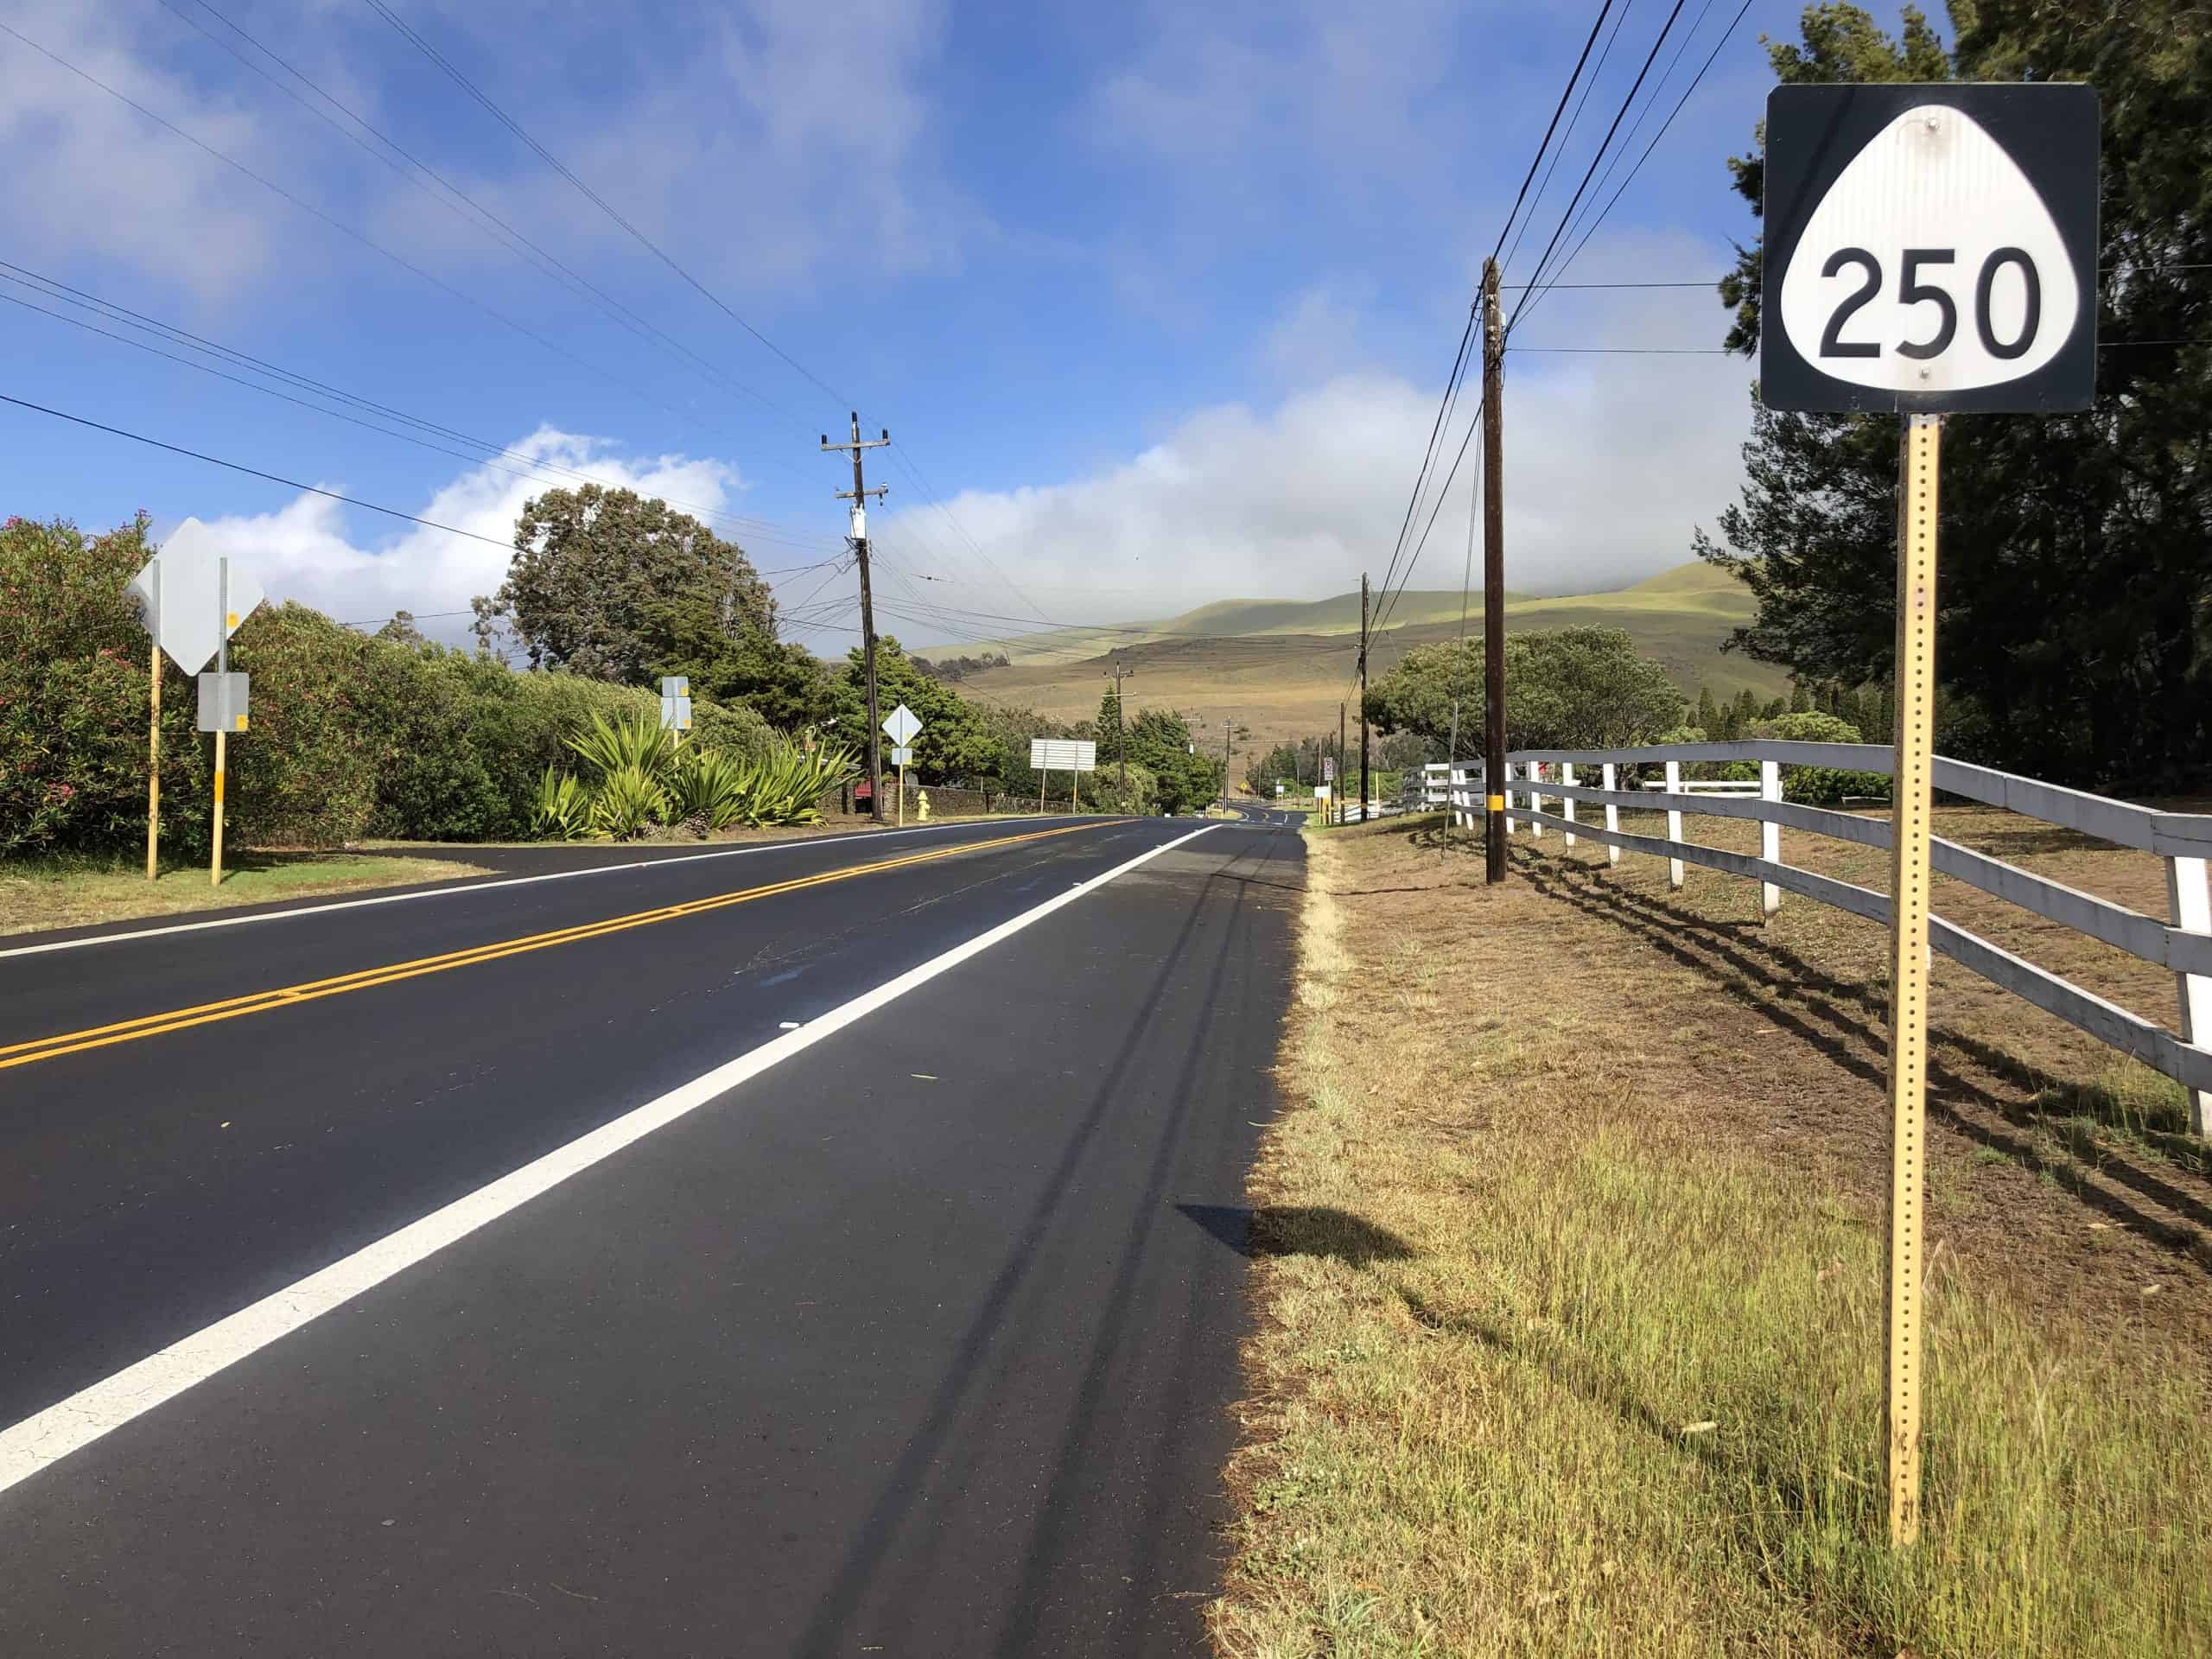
(464, 884)
(40, 1441)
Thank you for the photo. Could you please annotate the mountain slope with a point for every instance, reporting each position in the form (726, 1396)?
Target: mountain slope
(1282, 666)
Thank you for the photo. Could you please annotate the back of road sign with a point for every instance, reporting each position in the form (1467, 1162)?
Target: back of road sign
(1929, 249)
(179, 606)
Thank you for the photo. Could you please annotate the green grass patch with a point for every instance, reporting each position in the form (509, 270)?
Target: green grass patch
(41, 893)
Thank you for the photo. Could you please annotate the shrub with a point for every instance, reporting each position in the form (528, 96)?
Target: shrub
(627, 803)
(709, 788)
(633, 742)
(349, 736)
(562, 809)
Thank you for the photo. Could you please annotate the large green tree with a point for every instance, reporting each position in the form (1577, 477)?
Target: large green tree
(959, 743)
(2074, 637)
(1186, 772)
(621, 586)
(1565, 689)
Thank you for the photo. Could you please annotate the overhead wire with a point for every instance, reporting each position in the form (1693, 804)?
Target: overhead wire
(352, 235)
(1723, 39)
(485, 102)
(1651, 57)
(532, 467)
(483, 219)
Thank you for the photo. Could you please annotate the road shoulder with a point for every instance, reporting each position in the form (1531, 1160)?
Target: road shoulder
(1570, 1316)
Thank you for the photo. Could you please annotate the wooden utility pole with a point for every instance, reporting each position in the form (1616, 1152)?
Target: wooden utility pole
(1341, 768)
(1117, 674)
(858, 496)
(1225, 763)
(1493, 579)
(1363, 696)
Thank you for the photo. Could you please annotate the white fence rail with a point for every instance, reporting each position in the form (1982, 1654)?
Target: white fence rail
(2183, 943)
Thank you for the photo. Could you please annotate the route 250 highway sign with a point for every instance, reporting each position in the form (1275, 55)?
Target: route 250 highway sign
(1930, 249)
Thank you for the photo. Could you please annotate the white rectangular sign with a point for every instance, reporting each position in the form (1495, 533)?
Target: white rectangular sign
(1062, 754)
(902, 756)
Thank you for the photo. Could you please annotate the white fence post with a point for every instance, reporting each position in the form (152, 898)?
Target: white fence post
(1566, 775)
(1674, 822)
(1770, 836)
(2191, 898)
(1506, 789)
(1605, 776)
(1533, 770)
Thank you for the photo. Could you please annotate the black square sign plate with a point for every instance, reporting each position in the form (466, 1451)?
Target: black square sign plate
(1930, 249)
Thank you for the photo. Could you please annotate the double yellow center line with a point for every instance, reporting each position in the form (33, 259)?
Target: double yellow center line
(153, 1025)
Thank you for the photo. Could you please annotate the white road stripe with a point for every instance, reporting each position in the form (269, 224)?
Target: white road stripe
(40, 1441)
(464, 884)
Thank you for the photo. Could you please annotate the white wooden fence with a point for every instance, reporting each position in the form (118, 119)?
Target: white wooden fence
(2182, 944)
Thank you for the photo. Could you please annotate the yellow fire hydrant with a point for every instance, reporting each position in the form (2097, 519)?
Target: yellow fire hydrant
(922, 805)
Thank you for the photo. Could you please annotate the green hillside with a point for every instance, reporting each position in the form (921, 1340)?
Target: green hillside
(1280, 665)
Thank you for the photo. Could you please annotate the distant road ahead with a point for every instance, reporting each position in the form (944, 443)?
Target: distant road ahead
(816, 1250)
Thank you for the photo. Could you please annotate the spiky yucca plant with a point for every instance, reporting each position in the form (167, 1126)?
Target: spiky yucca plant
(561, 811)
(638, 742)
(629, 801)
(710, 788)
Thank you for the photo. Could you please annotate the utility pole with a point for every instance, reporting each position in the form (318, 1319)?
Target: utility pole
(1363, 696)
(1341, 768)
(1117, 674)
(858, 496)
(1493, 579)
(1225, 763)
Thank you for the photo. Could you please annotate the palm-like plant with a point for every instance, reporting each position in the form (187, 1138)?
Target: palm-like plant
(710, 788)
(638, 742)
(628, 803)
(561, 811)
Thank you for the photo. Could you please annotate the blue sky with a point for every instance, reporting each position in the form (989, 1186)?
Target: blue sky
(1157, 299)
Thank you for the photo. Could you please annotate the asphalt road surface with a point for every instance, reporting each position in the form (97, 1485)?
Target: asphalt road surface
(833, 1247)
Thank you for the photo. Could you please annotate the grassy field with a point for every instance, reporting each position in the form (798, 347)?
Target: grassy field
(1569, 1270)
(1281, 667)
(75, 892)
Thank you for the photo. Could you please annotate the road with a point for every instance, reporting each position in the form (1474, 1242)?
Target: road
(835, 1247)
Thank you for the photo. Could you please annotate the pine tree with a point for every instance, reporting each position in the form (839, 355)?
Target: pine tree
(1800, 702)
(1708, 715)
(1109, 727)
(2076, 586)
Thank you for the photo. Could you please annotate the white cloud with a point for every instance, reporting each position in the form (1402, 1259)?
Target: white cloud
(1610, 462)
(752, 142)
(305, 550)
(87, 175)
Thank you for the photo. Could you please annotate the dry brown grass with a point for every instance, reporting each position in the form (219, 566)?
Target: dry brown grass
(1571, 1292)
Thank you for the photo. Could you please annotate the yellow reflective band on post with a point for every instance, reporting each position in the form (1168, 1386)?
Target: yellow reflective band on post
(218, 786)
(1497, 803)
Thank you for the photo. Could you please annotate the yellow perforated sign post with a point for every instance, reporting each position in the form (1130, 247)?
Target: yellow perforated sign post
(1921, 452)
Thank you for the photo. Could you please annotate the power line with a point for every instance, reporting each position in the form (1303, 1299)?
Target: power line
(1537, 160)
(540, 471)
(1565, 138)
(486, 221)
(590, 194)
(1650, 58)
(1466, 333)
(251, 471)
(1584, 241)
(348, 231)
